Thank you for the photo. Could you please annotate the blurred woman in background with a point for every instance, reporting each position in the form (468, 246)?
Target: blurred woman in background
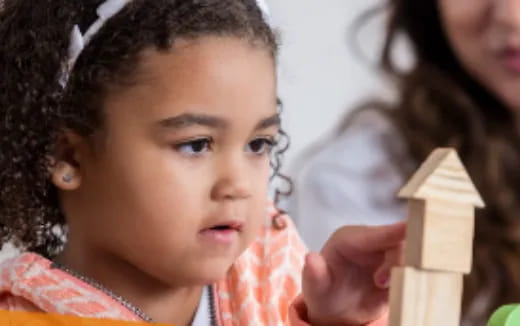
(462, 91)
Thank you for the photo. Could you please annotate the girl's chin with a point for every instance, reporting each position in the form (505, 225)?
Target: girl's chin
(207, 273)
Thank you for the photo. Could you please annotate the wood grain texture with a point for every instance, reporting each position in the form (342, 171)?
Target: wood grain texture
(439, 236)
(425, 298)
(442, 177)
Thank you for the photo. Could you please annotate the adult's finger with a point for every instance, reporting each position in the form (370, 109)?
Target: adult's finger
(367, 239)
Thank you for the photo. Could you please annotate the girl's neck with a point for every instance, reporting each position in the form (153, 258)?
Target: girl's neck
(162, 302)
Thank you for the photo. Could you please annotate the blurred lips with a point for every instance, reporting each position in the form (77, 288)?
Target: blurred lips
(225, 232)
(510, 59)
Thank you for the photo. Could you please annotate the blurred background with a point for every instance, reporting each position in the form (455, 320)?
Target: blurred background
(322, 75)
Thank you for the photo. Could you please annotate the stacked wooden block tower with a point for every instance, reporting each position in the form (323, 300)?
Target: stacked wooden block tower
(427, 291)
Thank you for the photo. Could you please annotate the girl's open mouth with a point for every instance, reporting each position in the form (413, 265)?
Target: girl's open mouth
(222, 233)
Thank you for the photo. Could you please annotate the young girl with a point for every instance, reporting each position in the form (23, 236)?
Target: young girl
(135, 141)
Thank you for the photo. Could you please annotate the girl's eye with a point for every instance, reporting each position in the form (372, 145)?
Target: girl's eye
(260, 146)
(195, 147)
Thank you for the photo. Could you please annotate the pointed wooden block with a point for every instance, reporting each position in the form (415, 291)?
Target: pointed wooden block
(423, 298)
(442, 177)
(440, 236)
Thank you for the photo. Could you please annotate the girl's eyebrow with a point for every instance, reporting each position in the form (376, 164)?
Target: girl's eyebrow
(189, 120)
(272, 121)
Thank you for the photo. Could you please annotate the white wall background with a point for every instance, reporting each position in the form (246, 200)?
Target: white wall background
(320, 75)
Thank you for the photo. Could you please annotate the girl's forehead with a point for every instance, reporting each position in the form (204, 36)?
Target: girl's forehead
(221, 76)
(200, 53)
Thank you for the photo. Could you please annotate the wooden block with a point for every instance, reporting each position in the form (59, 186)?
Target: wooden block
(439, 236)
(425, 298)
(442, 177)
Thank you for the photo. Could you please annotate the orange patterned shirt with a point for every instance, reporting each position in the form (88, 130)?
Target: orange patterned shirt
(261, 288)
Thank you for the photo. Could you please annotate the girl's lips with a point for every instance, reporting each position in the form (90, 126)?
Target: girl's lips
(225, 224)
(222, 233)
(220, 236)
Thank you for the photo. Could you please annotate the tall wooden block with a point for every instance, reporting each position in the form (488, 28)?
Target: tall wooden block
(440, 236)
(442, 198)
(425, 298)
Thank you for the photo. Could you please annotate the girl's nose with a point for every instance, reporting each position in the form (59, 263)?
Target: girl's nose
(233, 181)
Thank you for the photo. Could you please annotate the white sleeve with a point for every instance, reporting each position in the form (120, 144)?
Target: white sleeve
(352, 180)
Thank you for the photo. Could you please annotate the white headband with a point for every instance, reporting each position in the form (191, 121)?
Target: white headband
(105, 11)
(265, 10)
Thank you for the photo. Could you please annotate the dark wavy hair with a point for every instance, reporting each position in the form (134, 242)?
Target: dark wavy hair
(440, 104)
(35, 109)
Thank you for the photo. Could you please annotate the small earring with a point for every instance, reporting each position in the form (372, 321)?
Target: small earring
(67, 178)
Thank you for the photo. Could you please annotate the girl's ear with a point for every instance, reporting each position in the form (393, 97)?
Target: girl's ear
(65, 165)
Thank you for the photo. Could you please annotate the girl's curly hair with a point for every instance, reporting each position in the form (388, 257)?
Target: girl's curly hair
(35, 109)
